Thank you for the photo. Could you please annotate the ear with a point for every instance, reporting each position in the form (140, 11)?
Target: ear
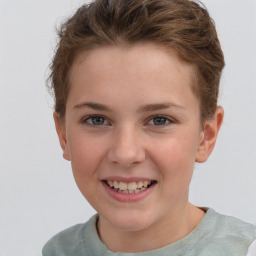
(210, 132)
(60, 128)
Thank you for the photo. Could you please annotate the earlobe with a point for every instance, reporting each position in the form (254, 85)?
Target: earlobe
(60, 129)
(209, 135)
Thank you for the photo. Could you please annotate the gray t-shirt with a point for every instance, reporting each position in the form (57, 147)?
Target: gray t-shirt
(215, 235)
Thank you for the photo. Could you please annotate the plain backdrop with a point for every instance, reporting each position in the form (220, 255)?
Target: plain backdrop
(38, 196)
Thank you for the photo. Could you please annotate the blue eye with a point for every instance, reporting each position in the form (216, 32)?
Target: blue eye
(160, 121)
(96, 120)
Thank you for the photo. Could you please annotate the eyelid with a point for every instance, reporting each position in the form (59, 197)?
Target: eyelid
(169, 119)
(86, 118)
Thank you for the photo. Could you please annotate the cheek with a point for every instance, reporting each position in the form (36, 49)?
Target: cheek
(174, 153)
(86, 155)
(175, 159)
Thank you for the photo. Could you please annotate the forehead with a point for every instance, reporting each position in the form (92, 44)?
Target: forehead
(147, 67)
(139, 59)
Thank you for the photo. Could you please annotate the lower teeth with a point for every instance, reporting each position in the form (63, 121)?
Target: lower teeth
(129, 191)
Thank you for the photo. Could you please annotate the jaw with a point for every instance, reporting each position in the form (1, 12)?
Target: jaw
(139, 231)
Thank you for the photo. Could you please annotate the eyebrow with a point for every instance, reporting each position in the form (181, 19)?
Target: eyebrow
(92, 105)
(158, 106)
(143, 108)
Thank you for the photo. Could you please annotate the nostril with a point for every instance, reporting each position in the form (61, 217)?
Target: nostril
(126, 158)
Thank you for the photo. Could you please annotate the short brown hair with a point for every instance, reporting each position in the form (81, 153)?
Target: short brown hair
(181, 25)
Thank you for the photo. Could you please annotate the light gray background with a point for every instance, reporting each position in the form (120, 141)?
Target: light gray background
(38, 196)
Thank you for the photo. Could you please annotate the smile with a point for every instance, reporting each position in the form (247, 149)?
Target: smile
(131, 187)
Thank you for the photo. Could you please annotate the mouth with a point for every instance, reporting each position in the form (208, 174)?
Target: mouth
(131, 187)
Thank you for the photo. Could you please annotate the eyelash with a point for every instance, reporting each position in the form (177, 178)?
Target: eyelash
(86, 120)
(150, 121)
(167, 120)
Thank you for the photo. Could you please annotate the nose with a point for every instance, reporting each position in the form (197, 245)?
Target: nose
(126, 148)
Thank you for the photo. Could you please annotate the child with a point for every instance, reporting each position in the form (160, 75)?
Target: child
(136, 85)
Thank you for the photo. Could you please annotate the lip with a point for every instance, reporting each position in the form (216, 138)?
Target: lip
(121, 197)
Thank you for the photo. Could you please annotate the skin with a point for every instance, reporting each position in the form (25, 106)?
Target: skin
(128, 143)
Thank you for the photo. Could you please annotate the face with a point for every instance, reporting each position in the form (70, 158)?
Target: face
(132, 132)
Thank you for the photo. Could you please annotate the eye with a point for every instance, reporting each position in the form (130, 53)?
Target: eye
(160, 121)
(95, 120)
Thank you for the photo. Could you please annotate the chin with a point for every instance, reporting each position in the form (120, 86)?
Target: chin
(129, 221)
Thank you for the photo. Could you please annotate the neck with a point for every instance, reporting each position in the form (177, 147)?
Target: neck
(168, 230)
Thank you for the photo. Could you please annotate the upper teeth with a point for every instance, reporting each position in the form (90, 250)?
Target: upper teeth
(131, 186)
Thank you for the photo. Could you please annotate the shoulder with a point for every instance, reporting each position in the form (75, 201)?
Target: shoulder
(229, 226)
(71, 240)
(229, 235)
